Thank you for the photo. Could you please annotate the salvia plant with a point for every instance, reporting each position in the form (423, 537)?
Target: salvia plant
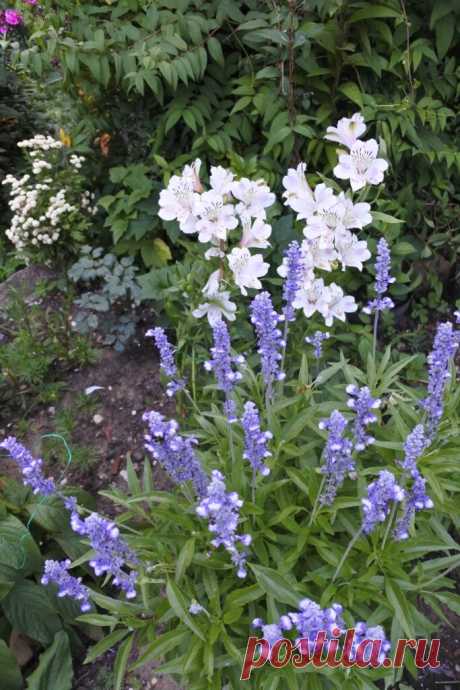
(310, 491)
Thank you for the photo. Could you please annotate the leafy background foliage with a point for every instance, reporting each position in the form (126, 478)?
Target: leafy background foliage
(153, 85)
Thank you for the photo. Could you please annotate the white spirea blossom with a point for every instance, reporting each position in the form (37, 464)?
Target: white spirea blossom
(40, 205)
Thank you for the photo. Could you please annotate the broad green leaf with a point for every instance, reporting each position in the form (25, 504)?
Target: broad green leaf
(373, 12)
(353, 92)
(54, 671)
(10, 673)
(18, 550)
(29, 610)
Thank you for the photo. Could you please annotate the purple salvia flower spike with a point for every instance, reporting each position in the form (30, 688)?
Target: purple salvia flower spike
(381, 494)
(56, 572)
(416, 499)
(338, 461)
(222, 363)
(112, 554)
(317, 341)
(167, 360)
(383, 279)
(30, 467)
(269, 339)
(362, 403)
(222, 511)
(293, 280)
(444, 347)
(175, 453)
(414, 445)
(255, 440)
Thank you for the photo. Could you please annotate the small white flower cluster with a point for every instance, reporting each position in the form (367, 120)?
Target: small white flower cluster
(76, 161)
(87, 198)
(232, 204)
(40, 142)
(40, 208)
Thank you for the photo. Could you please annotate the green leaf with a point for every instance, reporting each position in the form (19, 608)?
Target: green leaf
(373, 12)
(54, 671)
(215, 50)
(10, 674)
(243, 596)
(98, 619)
(180, 607)
(353, 92)
(103, 645)
(18, 550)
(385, 218)
(29, 610)
(445, 30)
(403, 248)
(399, 603)
(185, 558)
(161, 646)
(121, 662)
(273, 583)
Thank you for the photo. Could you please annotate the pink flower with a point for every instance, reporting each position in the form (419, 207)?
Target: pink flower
(30, 2)
(13, 17)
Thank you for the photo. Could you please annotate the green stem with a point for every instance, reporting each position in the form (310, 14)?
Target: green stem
(191, 400)
(347, 551)
(390, 524)
(374, 342)
(315, 505)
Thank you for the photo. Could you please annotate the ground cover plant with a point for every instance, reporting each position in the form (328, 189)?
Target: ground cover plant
(313, 478)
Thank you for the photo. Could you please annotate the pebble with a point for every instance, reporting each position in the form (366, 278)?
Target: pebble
(98, 419)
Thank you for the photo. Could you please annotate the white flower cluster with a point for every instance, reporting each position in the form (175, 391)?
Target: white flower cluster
(76, 161)
(40, 142)
(230, 205)
(39, 208)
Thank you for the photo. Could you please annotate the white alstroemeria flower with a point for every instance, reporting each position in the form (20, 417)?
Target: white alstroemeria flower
(255, 234)
(348, 130)
(192, 173)
(351, 251)
(221, 180)
(218, 302)
(355, 215)
(333, 304)
(306, 206)
(177, 202)
(343, 215)
(307, 298)
(318, 254)
(254, 197)
(296, 185)
(215, 217)
(247, 269)
(214, 252)
(361, 166)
